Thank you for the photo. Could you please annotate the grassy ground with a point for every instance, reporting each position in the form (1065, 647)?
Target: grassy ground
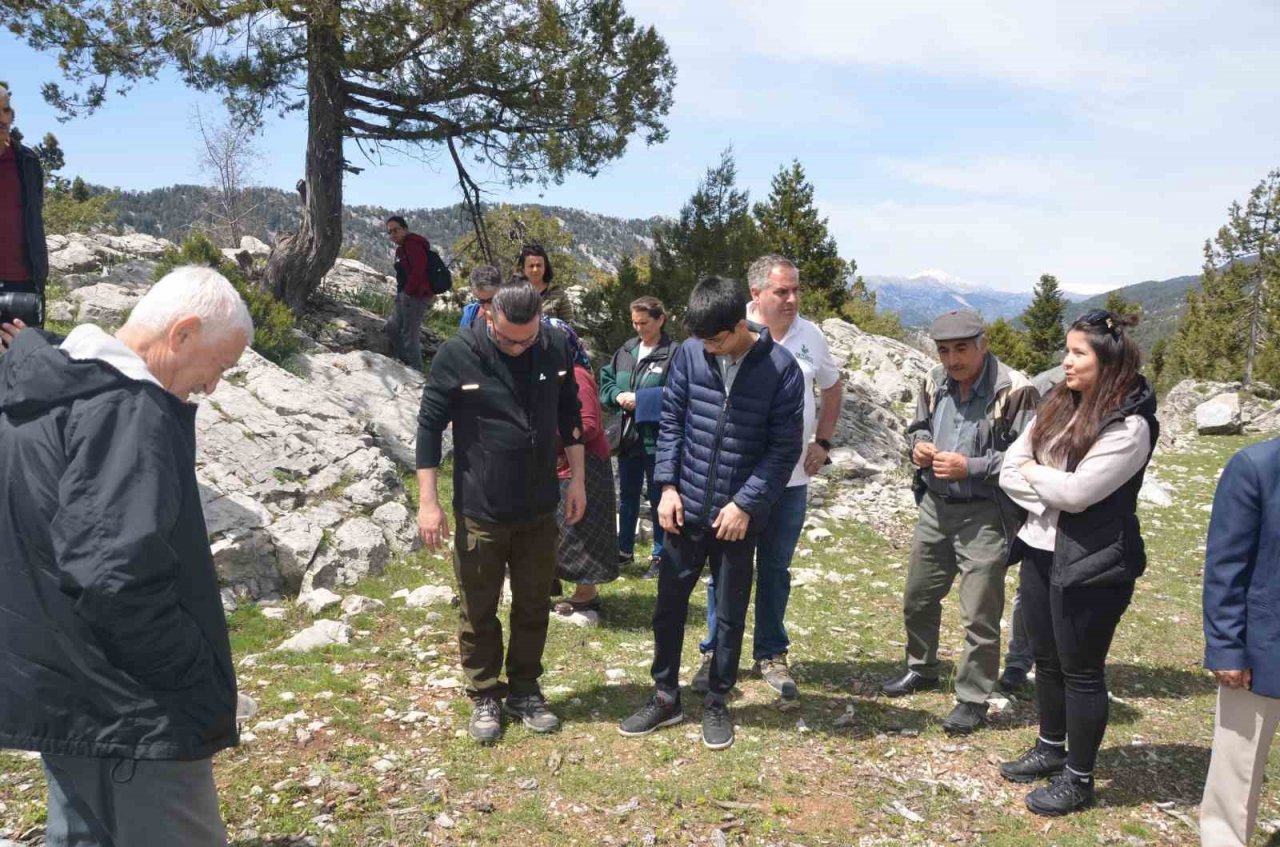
(381, 755)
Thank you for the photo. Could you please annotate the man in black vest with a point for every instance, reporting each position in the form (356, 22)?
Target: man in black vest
(506, 384)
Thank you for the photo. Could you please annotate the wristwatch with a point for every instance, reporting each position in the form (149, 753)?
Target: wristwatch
(823, 443)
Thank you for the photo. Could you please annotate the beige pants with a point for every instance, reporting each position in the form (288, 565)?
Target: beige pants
(1242, 733)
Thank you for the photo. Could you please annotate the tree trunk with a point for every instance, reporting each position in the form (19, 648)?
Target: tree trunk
(301, 260)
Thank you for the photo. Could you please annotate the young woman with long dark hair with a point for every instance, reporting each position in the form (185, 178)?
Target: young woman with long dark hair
(1077, 471)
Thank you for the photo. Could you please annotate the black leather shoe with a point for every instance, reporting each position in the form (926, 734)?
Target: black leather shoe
(1065, 793)
(908, 683)
(965, 718)
(1042, 760)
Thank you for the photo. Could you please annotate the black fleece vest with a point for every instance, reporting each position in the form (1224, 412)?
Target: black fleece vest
(1102, 546)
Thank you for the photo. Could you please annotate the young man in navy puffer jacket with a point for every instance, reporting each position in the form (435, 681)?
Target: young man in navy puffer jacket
(732, 421)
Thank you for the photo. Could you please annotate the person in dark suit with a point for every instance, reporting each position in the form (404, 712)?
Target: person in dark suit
(1241, 631)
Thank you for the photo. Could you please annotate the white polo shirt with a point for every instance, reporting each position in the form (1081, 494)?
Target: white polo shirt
(807, 344)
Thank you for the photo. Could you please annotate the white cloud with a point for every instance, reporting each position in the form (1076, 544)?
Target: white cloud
(987, 176)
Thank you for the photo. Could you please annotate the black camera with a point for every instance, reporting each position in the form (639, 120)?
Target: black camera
(28, 308)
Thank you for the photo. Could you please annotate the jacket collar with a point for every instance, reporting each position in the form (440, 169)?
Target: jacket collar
(88, 341)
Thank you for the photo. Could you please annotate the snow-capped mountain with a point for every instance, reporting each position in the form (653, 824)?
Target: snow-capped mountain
(919, 298)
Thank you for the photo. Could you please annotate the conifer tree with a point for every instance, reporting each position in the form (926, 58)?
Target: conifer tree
(715, 234)
(1011, 346)
(531, 90)
(1046, 336)
(789, 225)
(1118, 304)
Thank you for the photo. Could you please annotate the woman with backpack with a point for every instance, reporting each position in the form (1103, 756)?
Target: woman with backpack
(1077, 470)
(631, 386)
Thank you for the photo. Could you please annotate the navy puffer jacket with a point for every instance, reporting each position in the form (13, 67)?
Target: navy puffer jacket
(742, 447)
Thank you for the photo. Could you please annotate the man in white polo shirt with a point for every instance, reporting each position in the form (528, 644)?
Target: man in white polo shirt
(775, 300)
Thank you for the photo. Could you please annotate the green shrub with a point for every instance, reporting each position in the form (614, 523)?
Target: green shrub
(273, 323)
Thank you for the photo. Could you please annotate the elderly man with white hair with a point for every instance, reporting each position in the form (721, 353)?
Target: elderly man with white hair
(113, 644)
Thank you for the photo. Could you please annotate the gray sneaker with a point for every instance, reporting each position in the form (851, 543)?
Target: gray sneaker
(717, 726)
(701, 681)
(486, 720)
(775, 672)
(532, 710)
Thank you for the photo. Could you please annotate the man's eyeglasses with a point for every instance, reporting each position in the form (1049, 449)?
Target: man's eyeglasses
(511, 342)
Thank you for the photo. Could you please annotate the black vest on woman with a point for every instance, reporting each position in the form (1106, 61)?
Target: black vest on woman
(1102, 546)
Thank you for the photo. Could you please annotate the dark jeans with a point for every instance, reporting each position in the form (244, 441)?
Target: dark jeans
(774, 550)
(1071, 631)
(634, 473)
(482, 555)
(678, 575)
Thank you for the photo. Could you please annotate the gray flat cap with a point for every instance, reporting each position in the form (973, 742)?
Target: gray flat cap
(955, 325)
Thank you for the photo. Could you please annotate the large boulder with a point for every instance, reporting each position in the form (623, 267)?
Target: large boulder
(77, 253)
(1219, 415)
(882, 378)
(349, 279)
(1177, 409)
(381, 391)
(104, 304)
(288, 472)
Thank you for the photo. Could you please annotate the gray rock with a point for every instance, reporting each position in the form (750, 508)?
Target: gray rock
(1155, 492)
(398, 526)
(319, 634)
(357, 604)
(1220, 415)
(429, 595)
(317, 600)
(104, 304)
(357, 550)
(60, 311)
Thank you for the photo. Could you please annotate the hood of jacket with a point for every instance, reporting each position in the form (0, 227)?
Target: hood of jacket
(37, 375)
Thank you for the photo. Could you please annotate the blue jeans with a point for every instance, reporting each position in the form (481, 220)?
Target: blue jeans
(774, 550)
(634, 472)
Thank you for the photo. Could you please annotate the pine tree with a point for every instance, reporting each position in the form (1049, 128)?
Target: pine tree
(715, 234)
(1046, 336)
(1012, 346)
(1118, 304)
(1231, 327)
(789, 225)
(531, 90)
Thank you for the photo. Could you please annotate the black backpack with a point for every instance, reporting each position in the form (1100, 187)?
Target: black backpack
(438, 273)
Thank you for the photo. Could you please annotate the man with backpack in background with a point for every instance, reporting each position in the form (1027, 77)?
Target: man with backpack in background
(415, 289)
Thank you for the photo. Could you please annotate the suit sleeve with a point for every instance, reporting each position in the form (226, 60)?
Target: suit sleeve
(786, 431)
(119, 501)
(434, 412)
(675, 400)
(1230, 556)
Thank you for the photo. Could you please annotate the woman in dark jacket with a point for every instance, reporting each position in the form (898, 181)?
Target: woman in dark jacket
(631, 386)
(1077, 471)
(535, 265)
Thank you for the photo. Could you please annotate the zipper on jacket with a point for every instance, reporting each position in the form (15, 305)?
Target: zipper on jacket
(714, 465)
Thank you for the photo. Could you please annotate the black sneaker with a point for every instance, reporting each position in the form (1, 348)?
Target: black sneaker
(701, 681)
(655, 566)
(1013, 680)
(775, 672)
(661, 710)
(1065, 793)
(625, 559)
(965, 718)
(717, 726)
(1042, 760)
(486, 720)
(532, 710)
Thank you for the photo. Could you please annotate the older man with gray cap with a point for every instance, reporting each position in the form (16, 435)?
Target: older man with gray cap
(970, 408)
(113, 644)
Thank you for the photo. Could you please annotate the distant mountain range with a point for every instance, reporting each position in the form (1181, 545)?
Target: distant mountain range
(601, 241)
(920, 298)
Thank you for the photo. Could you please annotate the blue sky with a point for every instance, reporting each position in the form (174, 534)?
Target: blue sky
(995, 141)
